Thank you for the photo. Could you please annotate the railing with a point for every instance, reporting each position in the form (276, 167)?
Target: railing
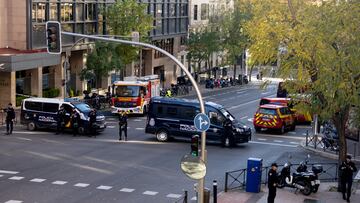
(237, 179)
(183, 198)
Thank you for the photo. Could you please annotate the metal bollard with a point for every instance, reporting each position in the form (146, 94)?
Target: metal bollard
(185, 196)
(307, 138)
(215, 191)
(315, 140)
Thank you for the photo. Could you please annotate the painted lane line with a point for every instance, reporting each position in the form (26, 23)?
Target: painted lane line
(138, 120)
(152, 193)
(274, 144)
(110, 119)
(9, 172)
(111, 126)
(14, 201)
(246, 103)
(127, 190)
(16, 178)
(37, 180)
(193, 198)
(1, 176)
(23, 138)
(279, 136)
(294, 143)
(140, 128)
(304, 134)
(244, 117)
(104, 187)
(262, 139)
(59, 182)
(279, 141)
(81, 185)
(176, 196)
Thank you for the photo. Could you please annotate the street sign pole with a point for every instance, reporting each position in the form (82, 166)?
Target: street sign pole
(188, 74)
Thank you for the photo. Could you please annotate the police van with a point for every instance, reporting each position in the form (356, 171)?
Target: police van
(173, 117)
(42, 113)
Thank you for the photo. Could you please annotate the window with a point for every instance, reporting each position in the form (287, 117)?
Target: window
(195, 12)
(38, 12)
(51, 107)
(79, 12)
(189, 112)
(90, 28)
(267, 111)
(204, 11)
(159, 11)
(166, 44)
(183, 10)
(171, 111)
(172, 10)
(127, 91)
(53, 11)
(67, 12)
(90, 11)
(34, 106)
(216, 118)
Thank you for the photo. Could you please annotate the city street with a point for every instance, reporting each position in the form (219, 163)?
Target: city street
(44, 167)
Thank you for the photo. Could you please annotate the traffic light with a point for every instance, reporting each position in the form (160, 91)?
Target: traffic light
(195, 145)
(53, 37)
(63, 82)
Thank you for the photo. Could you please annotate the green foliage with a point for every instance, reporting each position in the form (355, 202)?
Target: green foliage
(19, 99)
(51, 92)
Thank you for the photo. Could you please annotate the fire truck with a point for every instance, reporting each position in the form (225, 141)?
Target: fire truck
(134, 93)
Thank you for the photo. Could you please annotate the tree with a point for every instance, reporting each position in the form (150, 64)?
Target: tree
(122, 17)
(201, 45)
(320, 51)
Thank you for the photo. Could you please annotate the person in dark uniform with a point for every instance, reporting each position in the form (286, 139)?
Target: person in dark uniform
(92, 119)
(228, 134)
(272, 183)
(10, 116)
(60, 120)
(347, 169)
(123, 124)
(75, 121)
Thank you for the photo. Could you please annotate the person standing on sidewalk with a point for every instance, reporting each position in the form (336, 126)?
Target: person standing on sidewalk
(60, 120)
(75, 120)
(123, 124)
(272, 183)
(92, 123)
(347, 169)
(10, 116)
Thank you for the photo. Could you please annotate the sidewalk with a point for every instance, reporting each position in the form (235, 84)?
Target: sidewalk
(326, 194)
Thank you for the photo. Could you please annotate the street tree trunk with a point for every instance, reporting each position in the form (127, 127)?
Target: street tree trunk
(340, 119)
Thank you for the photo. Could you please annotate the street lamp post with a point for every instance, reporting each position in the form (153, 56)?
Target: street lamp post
(198, 93)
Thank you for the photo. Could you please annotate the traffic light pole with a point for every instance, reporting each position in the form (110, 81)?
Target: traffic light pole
(198, 93)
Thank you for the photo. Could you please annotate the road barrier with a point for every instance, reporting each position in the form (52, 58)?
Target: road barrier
(237, 179)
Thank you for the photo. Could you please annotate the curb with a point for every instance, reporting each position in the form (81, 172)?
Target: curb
(322, 153)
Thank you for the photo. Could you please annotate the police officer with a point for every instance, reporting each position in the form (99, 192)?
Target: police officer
(92, 119)
(347, 169)
(60, 120)
(228, 134)
(272, 183)
(75, 120)
(123, 124)
(168, 93)
(10, 116)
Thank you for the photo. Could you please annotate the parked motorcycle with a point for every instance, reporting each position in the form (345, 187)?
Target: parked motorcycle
(245, 79)
(330, 137)
(305, 181)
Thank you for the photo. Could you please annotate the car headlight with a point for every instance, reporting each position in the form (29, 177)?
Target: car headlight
(239, 130)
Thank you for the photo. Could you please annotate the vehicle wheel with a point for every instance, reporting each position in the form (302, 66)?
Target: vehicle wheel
(257, 129)
(315, 188)
(282, 130)
(281, 183)
(162, 135)
(31, 126)
(81, 130)
(307, 187)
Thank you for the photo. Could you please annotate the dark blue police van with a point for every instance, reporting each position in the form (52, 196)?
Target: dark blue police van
(42, 113)
(173, 117)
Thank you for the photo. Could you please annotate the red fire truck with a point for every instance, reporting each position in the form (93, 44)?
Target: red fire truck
(134, 93)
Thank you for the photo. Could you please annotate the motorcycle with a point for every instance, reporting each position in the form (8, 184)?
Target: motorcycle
(245, 79)
(305, 181)
(330, 138)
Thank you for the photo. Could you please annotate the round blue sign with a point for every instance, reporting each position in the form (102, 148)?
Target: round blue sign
(202, 122)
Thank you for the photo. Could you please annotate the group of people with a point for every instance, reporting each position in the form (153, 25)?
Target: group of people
(347, 169)
(74, 121)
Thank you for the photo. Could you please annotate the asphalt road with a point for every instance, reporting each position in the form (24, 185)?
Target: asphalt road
(44, 167)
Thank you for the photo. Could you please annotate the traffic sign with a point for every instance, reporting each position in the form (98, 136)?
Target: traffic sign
(202, 122)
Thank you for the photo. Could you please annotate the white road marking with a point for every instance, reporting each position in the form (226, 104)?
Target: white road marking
(8, 172)
(59, 182)
(140, 128)
(251, 119)
(137, 120)
(279, 141)
(81, 185)
(293, 133)
(152, 193)
(279, 136)
(37, 180)
(193, 198)
(1, 176)
(14, 201)
(110, 119)
(261, 139)
(274, 144)
(104, 187)
(265, 92)
(173, 196)
(127, 190)
(16, 178)
(246, 103)
(304, 134)
(111, 126)
(22, 138)
(294, 143)
(244, 117)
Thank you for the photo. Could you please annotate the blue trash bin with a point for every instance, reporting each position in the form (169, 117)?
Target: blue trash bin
(253, 175)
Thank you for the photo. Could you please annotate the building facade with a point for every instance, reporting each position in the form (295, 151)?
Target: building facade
(26, 68)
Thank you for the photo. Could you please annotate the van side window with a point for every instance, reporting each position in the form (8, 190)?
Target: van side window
(67, 108)
(171, 111)
(215, 118)
(188, 112)
(50, 107)
(35, 106)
